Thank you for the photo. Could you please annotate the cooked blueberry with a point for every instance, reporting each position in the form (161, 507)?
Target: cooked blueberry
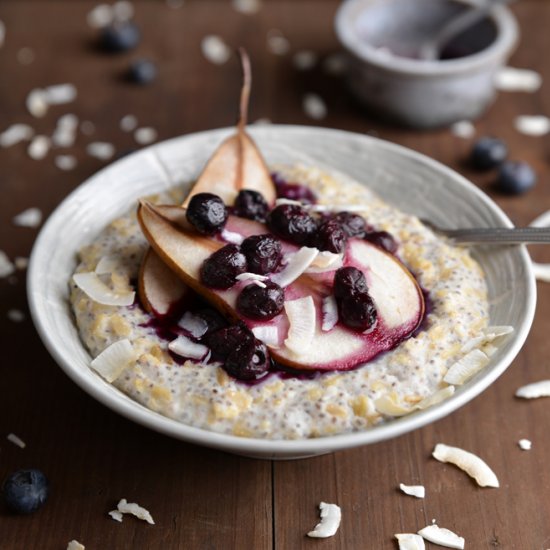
(349, 281)
(292, 223)
(214, 320)
(353, 225)
(226, 340)
(330, 236)
(25, 491)
(206, 213)
(220, 269)
(120, 37)
(248, 361)
(382, 239)
(260, 303)
(293, 191)
(357, 312)
(251, 205)
(142, 71)
(263, 253)
(488, 152)
(515, 177)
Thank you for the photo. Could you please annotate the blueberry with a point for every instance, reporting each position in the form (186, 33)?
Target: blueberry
(206, 213)
(249, 361)
(214, 320)
(488, 152)
(331, 237)
(221, 268)
(251, 205)
(383, 240)
(263, 253)
(292, 223)
(515, 177)
(142, 71)
(25, 491)
(357, 312)
(353, 225)
(119, 37)
(261, 304)
(293, 191)
(349, 281)
(222, 342)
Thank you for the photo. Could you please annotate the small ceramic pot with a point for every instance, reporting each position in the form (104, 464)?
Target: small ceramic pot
(383, 38)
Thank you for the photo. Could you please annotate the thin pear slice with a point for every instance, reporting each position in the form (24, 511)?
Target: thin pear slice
(396, 294)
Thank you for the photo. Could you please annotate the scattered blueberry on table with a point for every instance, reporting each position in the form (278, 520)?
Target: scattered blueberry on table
(515, 177)
(25, 491)
(488, 153)
(142, 71)
(119, 37)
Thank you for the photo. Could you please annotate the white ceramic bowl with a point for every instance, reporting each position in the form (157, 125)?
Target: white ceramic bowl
(407, 179)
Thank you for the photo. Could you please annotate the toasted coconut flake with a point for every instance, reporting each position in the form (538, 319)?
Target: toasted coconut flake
(497, 331)
(330, 313)
(461, 371)
(6, 267)
(184, 347)
(16, 315)
(15, 134)
(417, 491)
(136, 510)
(410, 541)
(301, 316)
(65, 162)
(231, 237)
(469, 462)
(195, 325)
(99, 292)
(248, 7)
(116, 515)
(304, 60)
(268, 334)
(436, 398)
(536, 125)
(215, 49)
(75, 545)
(534, 390)
(387, 405)
(510, 79)
(297, 264)
(145, 135)
(60, 94)
(128, 123)
(100, 16)
(331, 515)
(463, 129)
(314, 106)
(101, 150)
(112, 361)
(37, 103)
(277, 43)
(39, 146)
(31, 217)
(542, 272)
(16, 440)
(524, 444)
(325, 261)
(442, 536)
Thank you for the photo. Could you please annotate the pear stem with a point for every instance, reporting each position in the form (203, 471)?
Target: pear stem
(245, 90)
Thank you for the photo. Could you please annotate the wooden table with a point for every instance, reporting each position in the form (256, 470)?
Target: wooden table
(202, 498)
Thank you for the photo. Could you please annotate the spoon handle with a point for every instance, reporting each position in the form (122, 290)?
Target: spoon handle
(499, 235)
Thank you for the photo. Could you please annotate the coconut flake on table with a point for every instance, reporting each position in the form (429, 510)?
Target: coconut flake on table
(463, 129)
(215, 49)
(330, 313)
(301, 318)
(442, 537)
(123, 10)
(75, 545)
(277, 43)
(16, 440)
(59, 94)
(25, 56)
(466, 367)
(39, 146)
(247, 7)
(231, 237)
(410, 541)
(314, 106)
(6, 267)
(470, 463)
(534, 390)
(185, 347)
(335, 64)
(510, 79)
(100, 16)
(15, 134)
(116, 515)
(36, 103)
(331, 515)
(195, 325)
(145, 135)
(112, 361)
(524, 444)
(65, 162)
(262, 121)
(65, 132)
(304, 60)
(31, 217)
(101, 150)
(99, 292)
(297, 263)
(135, 509)
(16, 315)
(268, 334)
(21, 262)
(128, 123)
(532, 125)
(418, 491)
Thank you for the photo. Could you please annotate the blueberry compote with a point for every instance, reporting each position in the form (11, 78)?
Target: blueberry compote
(293, 191)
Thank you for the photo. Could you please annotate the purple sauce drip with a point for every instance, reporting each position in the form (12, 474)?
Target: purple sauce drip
(293, 191)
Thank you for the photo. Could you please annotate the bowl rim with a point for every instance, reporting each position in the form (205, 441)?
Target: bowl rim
(275, 448)
(506, 40)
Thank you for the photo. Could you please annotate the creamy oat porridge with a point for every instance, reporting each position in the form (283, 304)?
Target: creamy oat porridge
(417, 369)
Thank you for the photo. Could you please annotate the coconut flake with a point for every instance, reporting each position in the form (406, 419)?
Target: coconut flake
(15, 134)
(123, 10)
(107, 264)
(251, 277)
(39, 146)
(12, 438)
(195, 325)
(25, 56)
(65, 131)
(436, 398)
(469, 462)
(268, 334)
(314, 106)
(301, 317)
(112, 361)
(128, 123)
(417, 491)
(463, 129)
(184, 347)
(277, 43)
(99, 292)
(466, 367)
(215, 49)
(297, 263)
(37, 103)
(510, 79)
(32, 217)
(101, 150)
(442, 536)
(410, 541)
(75, 545)
(325, 261)
(65, 162)
(262, 121)
(330, 313)
(534, 390)
(21, 263)
(16, 315)
(231, 237)
(386, 404)
(335, 64)
(248, 7)
(134, 509)
(145, 135)
(60, 94)
(282, 200)
(6, 267)
(331, 515)
(536, 125)
(100, 16)
(304, 60)
(524, 444)
(116, 515)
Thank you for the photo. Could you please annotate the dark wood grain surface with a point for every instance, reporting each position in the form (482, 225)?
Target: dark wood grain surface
(202, 498)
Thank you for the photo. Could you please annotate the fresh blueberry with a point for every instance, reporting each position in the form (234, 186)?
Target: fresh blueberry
(222, 342)
(357, 312)
(120, 37)
(221, 268)
(259, 303)
(349, 281)
(206, 213)
(353, 225)
(488, 152)
(383, 240)
(263, 253)
(142, 71)
(25, 491)
(331, 237)
(214, 320)
(292, 223)
(249, 361)
(251, 205)
(515, 178)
